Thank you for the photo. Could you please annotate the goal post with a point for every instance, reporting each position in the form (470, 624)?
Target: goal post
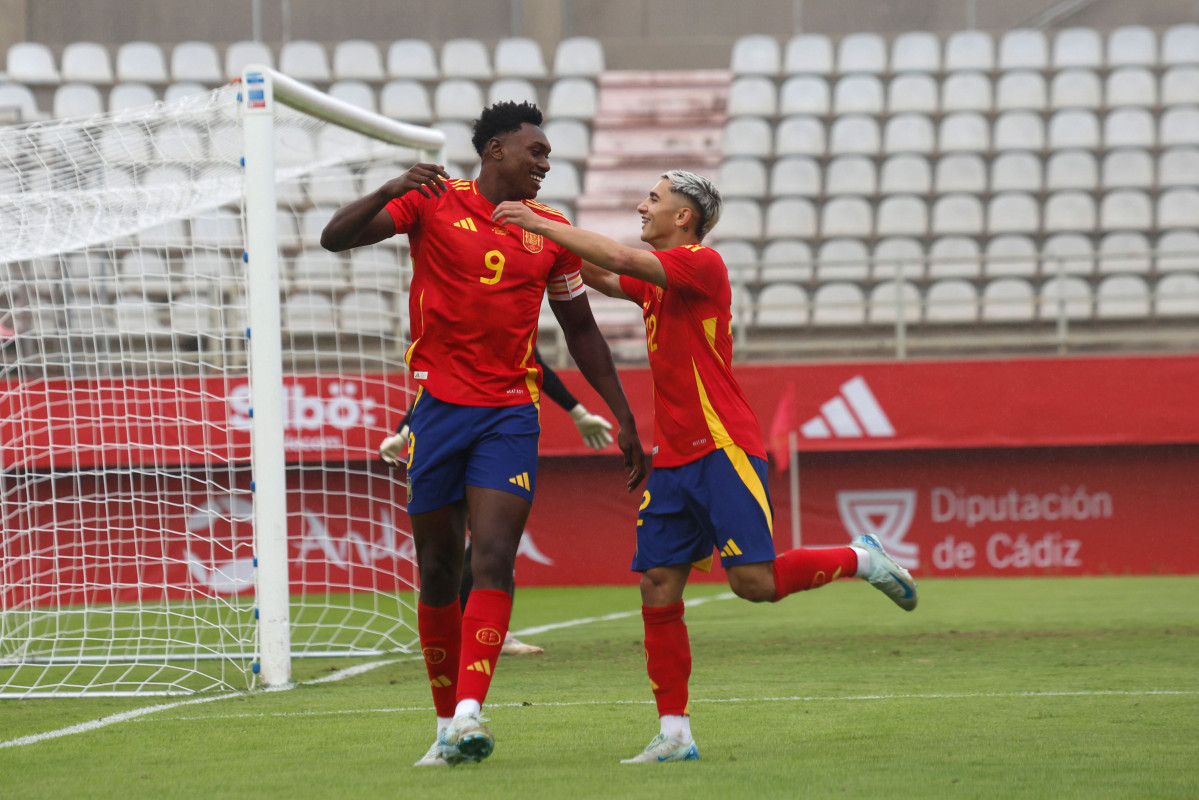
(192, 394)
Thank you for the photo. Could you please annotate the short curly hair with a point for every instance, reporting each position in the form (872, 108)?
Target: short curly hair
(501, 118)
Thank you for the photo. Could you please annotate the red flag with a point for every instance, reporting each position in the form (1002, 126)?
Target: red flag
(784, 422)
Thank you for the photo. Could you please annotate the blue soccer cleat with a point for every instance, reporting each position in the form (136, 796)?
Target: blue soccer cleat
(886, 575)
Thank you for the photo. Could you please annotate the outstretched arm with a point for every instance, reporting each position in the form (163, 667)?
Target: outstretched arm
(599, 250)
(366, 220)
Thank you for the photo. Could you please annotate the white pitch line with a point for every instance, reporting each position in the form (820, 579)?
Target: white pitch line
(553, 626)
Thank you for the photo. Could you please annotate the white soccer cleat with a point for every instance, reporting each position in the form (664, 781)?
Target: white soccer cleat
(436, 757)
(886, 575)
(515, 647)
(466, 740)
(665, 748)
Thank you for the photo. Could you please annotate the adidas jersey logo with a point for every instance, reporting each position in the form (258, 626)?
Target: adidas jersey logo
(521, 480)
(731, 549)
(480, 666)
(466, 224)
(852, 414)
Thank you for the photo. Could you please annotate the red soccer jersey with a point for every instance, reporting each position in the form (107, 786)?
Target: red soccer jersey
(698, 404)
(476, 296)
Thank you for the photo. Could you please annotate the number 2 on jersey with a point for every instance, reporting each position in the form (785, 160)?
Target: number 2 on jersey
(651, 332)
(494, 261)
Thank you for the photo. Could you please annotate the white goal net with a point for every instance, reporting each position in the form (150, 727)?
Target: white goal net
(128, 334)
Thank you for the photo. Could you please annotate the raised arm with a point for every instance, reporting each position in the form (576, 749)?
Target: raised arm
(366, 220)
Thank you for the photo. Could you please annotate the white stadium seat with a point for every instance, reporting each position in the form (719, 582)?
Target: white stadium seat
(1068, 296)
(799, 135)
(305, 60)
(741, 219)
(850, 175)
(1069, 211)
(131, 95)
(756, 54)
(570, 139)
(357, 59)
(1023, 48)
(885, 301)
(1180, 86)
(458, 144)
(1077, 47)
(741, 259)
(356, 93)
(1177, 296)
(846, 216)
(1128, 168)
(970, 50)
(804, 94)
(957, 213)
(76, 100)
(1016, 171)
(1178, 166)
(142, 62)
(1008, 300)
(412, 59)
(1022, 90)
(796, 175)
(31, 63)
(808, 53)
(516, 90)
(782, 305)
(748, 136)
(898, 253)
(842, 260)
(905, 174)
(738, 177)
(239, 55)
(367, 313)
(562, 182)
(838, 304)
(1073, 128)
(1010, 254)
(1132, 46)
(963, 132)
(1178, 208)
(786, 260)
(520, 57)
(220, 228)
(1071, 169)
(1124, 252)
(1068, 253)
(1126, 210)
(1180, 45)
(458, 99)
(1129, 127)
(309, 312)
(951, 301)
(912, 92)
(862, 52)
(86, 62)
(1122, 297)
(1130, 86)
(955, 257)
(1019, 130)
(318, 270)
(1013, 212)
(858, 94)
(406, 100)
(333, 185)
(1076, 88)
(854, 135)
(966, 91)
(902, 215)
(1179, 126)
(789, 217)
(196, 61)
(576, 98)
(579, 57)
(465, 58)
(753, 96)
(1178, 251)
(909, 133)
(916, 51)
(179, 90)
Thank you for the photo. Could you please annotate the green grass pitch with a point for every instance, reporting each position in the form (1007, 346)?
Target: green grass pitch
(1039, 688)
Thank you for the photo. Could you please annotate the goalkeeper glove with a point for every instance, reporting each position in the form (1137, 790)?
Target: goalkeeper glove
(393, 447)
(594, 428)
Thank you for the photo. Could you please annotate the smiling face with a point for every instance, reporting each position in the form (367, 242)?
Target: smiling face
(661, 212)
(521, 160)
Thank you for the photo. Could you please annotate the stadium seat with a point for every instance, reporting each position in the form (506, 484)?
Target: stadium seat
(905, 174)
(1130, 86)
(1129, 127)
(957, 213)
(788, 217)
(1068, 254)
(1019, 130)
(576, 98)
(317, 270)
(901, 215)
(1180, 86)
(1126, 210)
(796, 136)
(407, 100)
(562, 182)
(782, 305)
(570, 139)
(520, 57)
(963, 132)
(838, 304)
(1178, 166)
(177, 91)
(1071, 169)
(516, 90)
(786, 260)
(804, 94)
(31, 63)
(1010, 255)
(797, 176)
(180, 143)
(854, 135)
(858, 94)
(131, 95)
(196, 61)
(741, 259)
(1008, 300)
(969, 50)
(465, 58)
(76, 100)
(1122, 297)
(172, 233)
(579, 57)
(846, 216)
(1177, 296)
(808, 53)
(900, 253)
(909, 133)
(916, 51)
(883, 307)
(749, 136)
(141, 62)
(914, 92)
(752, 95)
(1068, 296)
(862, 52)
(850, 175)
(144, 274)
(458, 99)
(951, 301)
(165, 175)
(842, 260)
(334, 185)
(1021, 91)
(313, 222)
(1076, 88)
(1178, 251)
(123, 146)
(1013, 212)
(741, 219)
(1023, 48)
(1073, 128)
(966, 91)
(961, 172)
(218, 228)
(135, 316)
(86, 62)
(1069, 211)
(299, 146)
(1077, 47)
(1124, 252)
(379, 271)
(1180, 45)
(367, 313)
(955, 257)
(1132, 46)
(755, 54)
(357, 59)
(1178, 208)
(358, 93)
(191, 314)
(287, 230)
(740, 177)
(1179, 126)
(15, 97)
(310, 313)
(239, 55)
(412, 59)
(305, 60)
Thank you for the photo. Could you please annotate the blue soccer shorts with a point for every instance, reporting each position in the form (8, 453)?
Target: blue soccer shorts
(719, 502)
(451, 447)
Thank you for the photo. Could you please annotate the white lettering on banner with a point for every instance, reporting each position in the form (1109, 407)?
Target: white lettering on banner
(885, 514)
(341, 408)
(1051, 550)
(949, 505)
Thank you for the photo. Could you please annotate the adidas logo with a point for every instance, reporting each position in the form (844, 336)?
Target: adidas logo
(852, 414)
(481, 666)
(731, 549)
(521, 480)
(466, 224)
(441, 681)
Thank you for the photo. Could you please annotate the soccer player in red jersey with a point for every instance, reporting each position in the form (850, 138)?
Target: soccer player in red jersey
(708, 488)
(474, 303)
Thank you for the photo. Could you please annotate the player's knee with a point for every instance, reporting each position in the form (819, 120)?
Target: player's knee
(753, 587)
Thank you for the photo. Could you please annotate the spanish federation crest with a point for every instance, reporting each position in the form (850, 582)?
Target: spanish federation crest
(533, 242)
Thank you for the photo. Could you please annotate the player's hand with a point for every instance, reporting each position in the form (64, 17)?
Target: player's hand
(428, 179)
(393, 447)
(634, 457)
(593, 427)
(511, 212)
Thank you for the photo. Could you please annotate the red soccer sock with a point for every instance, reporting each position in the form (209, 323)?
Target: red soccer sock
(440, 641)
(667, 657)
(810, 568)
(484, 625)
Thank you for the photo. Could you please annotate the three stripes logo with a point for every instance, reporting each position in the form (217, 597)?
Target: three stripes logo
(480, 666)
(731, 549)
(521, 480)
(853, 414)
(440, 682)
(466, 224)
